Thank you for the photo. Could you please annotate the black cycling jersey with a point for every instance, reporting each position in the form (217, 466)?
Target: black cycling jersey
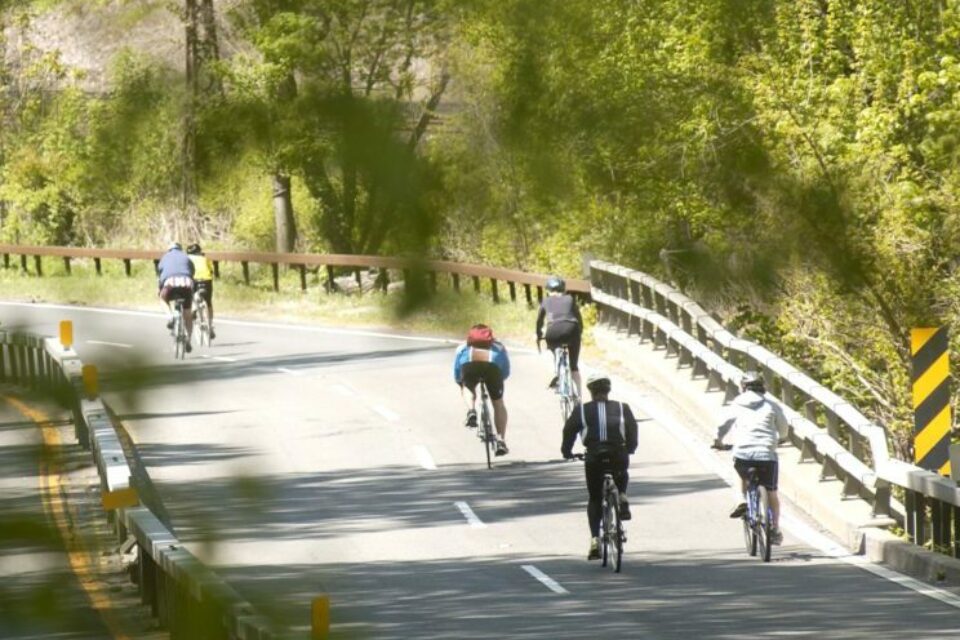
(554, 309)
(602, 425)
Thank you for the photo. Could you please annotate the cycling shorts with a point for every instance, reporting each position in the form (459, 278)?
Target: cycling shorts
(767, 470)
(565, 333)
(178, 288)
(474, 372)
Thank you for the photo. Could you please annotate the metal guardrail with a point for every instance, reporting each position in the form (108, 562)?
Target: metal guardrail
(827, 428)
(305, 261)
(186, 596)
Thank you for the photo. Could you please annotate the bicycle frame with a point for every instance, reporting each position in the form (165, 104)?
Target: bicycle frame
(565, 387)
(486, 431)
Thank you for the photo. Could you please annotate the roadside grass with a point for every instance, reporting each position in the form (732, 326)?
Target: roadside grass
(447, 313)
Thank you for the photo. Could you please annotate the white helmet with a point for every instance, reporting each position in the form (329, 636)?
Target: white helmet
(598, 381)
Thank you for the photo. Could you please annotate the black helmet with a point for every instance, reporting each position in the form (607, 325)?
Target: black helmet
(193, 249)
(555, 283)
(598, 382)
(752, 381)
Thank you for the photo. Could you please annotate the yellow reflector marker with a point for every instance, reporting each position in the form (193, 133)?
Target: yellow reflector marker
(320, 617)
(90, 384)
(119, 499)
(66, 333)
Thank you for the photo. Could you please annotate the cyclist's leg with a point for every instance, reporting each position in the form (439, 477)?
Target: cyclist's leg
(593, 470)
(769, 475)
(164, 295)
(741, 467)
(186, 295)
(494, 381)
(574, 347)
(468, 392)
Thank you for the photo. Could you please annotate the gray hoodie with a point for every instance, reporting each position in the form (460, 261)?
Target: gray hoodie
(758, 425)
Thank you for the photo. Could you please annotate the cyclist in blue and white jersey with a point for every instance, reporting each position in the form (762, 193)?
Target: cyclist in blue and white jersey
(608, 432)
(564, 326)
(175, 280)
(758, 427)
(484, 358)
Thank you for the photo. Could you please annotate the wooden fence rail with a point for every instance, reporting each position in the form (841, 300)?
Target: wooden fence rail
(532, 283)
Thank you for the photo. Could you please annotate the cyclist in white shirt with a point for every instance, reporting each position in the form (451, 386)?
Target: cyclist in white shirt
(758, 427)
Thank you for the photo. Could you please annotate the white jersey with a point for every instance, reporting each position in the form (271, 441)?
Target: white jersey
(758, 425)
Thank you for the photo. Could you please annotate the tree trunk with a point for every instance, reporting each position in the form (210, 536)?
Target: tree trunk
(191, 72)
(283, 213)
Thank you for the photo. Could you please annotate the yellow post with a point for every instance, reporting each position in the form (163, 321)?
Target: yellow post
(66, 333)
(90, 384)
(320, 617)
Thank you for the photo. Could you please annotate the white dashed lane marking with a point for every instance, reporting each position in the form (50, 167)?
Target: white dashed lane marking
(468, 513)
(546, 580)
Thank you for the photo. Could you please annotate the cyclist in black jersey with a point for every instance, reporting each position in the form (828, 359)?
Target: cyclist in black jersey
(608, 432)
(561, 315)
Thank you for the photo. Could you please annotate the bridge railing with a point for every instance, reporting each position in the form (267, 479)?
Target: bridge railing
(458, 274)
(186, 596)
(826, 428)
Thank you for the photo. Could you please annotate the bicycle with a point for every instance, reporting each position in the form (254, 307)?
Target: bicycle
(179, 332)
(202, 317)
(612, 534)
(485, 430)
(758, 519)
(565, 387)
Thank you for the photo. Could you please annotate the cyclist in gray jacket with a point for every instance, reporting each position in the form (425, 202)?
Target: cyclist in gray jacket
(758, 426)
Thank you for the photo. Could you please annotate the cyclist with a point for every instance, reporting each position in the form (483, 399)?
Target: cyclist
(759, 425)
(484, 358)
(203, 280)
(608, 432)
(175, 279)
(563, 325)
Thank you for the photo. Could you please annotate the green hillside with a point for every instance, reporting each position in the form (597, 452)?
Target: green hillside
(792, 164)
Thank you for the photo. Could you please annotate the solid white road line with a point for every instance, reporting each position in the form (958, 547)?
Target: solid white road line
(218, 358)
(424, 458)
(344, 390)
(385, 413)
(121, 345)
(546, 580)
(724, 470)
(468, 513)
(290, 371)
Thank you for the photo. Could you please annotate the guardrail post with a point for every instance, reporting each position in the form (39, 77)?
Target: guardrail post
(833, 426)
(148, 581)
(6, 261)
(881, 500)
(127, 267)
(331, 284)
(955, 513)
(384, 279)
(940, 525)
(539, 294)
(66, 264)
(38, 263)
(99, 266)
(303, 277)
(23, 264)
(456, 281)
(476, 284)
(357, 276)
(513, 291)
(246, 271)
(3, 362)
(275, 268)
(216, 269)
(496, 293)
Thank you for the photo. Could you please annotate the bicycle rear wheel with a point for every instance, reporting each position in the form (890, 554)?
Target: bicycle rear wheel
(203, 319)
(616, 535)
(180, 340)
(605, 532)
(763, 525)
(489, 439)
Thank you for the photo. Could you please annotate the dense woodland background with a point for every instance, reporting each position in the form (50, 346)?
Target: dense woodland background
(791, 163)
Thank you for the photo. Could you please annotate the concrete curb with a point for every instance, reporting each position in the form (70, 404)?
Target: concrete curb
(848, 519)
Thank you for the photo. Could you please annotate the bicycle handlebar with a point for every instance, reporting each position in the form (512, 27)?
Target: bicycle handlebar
(721, 446)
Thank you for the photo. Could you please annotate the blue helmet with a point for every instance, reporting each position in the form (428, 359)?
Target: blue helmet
(556, 283)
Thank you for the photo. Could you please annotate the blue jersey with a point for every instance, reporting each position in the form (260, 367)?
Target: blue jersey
(174, 263)
(497, 354)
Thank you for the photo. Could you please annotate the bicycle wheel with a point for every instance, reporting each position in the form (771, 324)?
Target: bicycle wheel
(750, 540)
(179, 338)
(566, 408)
(763, 524)
(489, 440)
(615, 533)
(203, 320)
(605, 531)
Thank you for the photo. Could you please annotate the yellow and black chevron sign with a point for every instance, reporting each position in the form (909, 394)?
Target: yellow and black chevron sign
(931, 399)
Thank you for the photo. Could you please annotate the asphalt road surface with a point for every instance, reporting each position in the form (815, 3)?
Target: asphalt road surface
(300, 461)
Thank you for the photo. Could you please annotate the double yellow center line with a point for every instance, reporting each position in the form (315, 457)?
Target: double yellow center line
(56, 509)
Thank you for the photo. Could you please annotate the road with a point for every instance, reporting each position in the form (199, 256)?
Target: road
(299, 461)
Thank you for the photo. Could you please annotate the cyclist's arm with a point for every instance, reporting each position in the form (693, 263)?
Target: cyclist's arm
(457, 366)
(503, 361)
(724, 429)
(783, 425)
(541, 315)
(631, 424)
(571, 428)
